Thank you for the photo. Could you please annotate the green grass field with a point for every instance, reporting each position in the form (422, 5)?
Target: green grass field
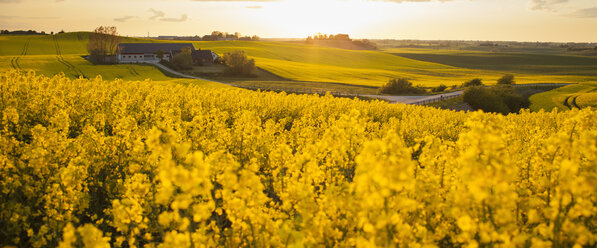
(568, 97)
(583, 67)
(302, 62)
(50, 55)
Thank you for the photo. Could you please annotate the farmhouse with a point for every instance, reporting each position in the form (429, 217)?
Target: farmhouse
(203, 57)
(147, 52)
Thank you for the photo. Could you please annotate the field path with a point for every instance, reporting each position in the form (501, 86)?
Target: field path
(574, 102)
(60, 59)
(416, 100)
(165, 68)
(14, 61)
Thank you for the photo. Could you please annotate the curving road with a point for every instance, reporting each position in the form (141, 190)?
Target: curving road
(416, 99)
(392, 99)
(165, 68)
(438, 97)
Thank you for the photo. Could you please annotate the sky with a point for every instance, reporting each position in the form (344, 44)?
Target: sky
(505, 20)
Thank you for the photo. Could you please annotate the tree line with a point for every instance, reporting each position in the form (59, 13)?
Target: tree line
(217, 35)
(340, 40)
(103, 43)
(27, 32)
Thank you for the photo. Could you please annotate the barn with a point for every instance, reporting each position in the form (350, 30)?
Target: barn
(203, 57)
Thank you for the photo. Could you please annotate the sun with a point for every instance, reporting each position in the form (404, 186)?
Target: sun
(306, 17)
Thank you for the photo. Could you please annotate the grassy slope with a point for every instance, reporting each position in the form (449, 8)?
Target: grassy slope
(48, 55)
(529, 68)
(301, 62)
(572, 96)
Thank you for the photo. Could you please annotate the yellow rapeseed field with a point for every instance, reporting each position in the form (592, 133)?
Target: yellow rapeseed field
(94, 163)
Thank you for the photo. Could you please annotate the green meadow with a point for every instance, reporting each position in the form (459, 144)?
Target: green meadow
(302, 62)
(63, 53)
(568, 97)
(301, 65)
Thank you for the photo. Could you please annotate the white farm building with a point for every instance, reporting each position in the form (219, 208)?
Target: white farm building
(147, 52)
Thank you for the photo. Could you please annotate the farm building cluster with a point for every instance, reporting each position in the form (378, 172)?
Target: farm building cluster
(148, 52)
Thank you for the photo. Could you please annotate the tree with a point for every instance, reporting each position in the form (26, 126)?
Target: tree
(238, 63)
(498, 99)
(183, 60)
(103, 43)
(440, 88)
(474, 82)
(484, 99)
(217, 34)
(160, 54)
(400, 86)
(506, 79)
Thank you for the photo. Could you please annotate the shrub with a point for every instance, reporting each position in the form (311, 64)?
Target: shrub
(400, 86)
(514, 101)
(484, 99)
(440, 88)
(506, 79)
(497, 100)
(238, 63)
(474, 82)
(183, 60)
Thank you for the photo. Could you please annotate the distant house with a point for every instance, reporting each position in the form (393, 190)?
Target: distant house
(147, 52)
(204, 57)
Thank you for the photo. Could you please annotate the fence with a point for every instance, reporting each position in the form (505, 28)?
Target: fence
(299, 90)
(435, 99)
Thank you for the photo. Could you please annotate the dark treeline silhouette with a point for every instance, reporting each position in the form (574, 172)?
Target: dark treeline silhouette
(320, 36)
(23, 32)
(341, 41)
(214, 36)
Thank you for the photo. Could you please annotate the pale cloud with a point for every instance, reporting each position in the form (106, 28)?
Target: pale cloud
(417, 1)
(182, 18)
(585, 13)
(236, 0)
(546, 4)
(161, 16)
(156, 14)
(254, 7)
(124, 18)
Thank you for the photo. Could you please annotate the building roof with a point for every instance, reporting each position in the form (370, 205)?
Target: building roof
(152, 47)
(202, 54)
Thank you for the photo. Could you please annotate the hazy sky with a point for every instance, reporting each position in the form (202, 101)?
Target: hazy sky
(520, 20)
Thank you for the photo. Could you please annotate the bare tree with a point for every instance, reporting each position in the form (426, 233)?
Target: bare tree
(103, 43)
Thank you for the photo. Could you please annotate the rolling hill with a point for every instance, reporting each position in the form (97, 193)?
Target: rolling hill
(298, 63)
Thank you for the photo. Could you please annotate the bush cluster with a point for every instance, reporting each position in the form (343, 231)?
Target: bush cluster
(497, 99)
(440, 88)
(180, 61)
(238, 63)
(400, 86)
(474, 82)
(506, 79)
